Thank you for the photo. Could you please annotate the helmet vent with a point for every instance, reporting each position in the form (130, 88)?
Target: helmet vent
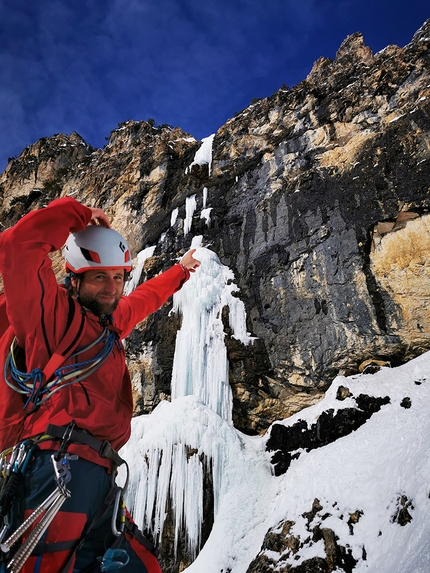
(90, 255)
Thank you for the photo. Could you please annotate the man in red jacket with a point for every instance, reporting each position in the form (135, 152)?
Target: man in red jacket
(85, 406)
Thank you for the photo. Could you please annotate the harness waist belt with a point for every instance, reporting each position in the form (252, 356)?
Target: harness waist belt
(104, 449)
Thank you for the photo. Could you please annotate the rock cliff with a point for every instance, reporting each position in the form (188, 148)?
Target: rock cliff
(317, 198)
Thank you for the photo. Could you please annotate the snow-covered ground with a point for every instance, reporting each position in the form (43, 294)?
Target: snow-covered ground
(367, 471)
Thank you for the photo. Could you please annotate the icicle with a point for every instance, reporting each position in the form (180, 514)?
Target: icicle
(137, 271)
(178, 486)
(193, 503)
(169, 453)
(174, 216)
(190, 207)
(153, 483)
(206, 212)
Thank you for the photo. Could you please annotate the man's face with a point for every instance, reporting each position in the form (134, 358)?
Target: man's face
(100, 291)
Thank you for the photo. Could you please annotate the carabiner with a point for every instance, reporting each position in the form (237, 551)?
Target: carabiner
(118, 514)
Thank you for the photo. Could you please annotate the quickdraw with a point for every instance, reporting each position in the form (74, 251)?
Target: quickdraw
(11, 472)
(13, 464)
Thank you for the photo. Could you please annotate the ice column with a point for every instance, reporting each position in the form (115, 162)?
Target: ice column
(168, 453)
(190, 207)
(200, 365)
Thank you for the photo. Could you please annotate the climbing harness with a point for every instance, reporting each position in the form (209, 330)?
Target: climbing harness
(13, 465)
(35, 385)
(115, 557)
(77, 436)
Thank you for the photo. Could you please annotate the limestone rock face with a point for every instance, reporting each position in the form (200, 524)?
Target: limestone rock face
(39, 173)
(319, 203)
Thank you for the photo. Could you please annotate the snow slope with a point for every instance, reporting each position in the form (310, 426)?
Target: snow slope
(367, 471)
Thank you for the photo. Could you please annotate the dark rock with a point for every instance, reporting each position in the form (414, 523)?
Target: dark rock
(282, 544)
(284, 441)
(402, 515)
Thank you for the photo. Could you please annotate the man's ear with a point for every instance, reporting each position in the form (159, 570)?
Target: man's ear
(75, 281)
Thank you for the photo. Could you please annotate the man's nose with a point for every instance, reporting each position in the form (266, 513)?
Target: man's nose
(110, 286)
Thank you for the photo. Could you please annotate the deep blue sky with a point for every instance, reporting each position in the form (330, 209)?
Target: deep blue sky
(87, 65)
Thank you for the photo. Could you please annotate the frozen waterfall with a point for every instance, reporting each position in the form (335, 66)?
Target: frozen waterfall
(171, 449)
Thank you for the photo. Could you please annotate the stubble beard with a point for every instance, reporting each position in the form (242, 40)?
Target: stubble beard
(96, 307)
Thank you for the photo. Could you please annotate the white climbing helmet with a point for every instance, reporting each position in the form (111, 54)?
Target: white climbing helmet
(96, 247)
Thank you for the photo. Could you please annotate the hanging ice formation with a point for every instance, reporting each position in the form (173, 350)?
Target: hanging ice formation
(137, 271)
(171, 449)
(203, 155)
(190, 207)
(200, 365)
(206, 211)
(174, 216)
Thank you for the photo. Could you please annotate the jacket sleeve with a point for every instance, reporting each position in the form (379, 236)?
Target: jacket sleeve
(148, 297)
(30, 284)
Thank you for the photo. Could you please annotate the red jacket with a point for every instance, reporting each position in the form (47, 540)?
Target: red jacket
(37, 309)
